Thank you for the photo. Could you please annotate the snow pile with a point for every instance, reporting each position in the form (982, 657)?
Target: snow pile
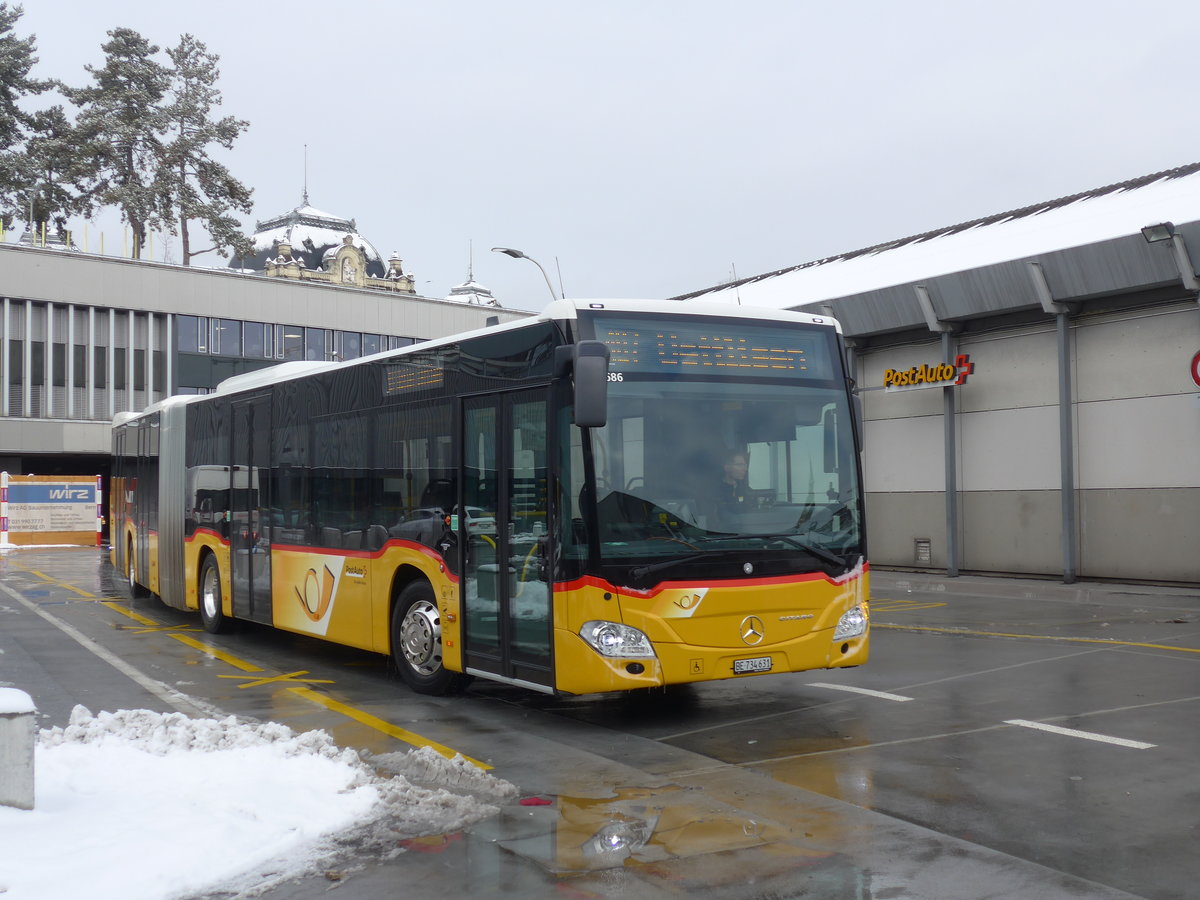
(136, 804)
(14, 702)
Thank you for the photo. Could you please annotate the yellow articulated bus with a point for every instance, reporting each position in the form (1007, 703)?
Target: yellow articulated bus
(603, 497)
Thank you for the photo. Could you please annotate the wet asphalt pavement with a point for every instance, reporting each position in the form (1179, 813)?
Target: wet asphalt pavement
(1009, 738)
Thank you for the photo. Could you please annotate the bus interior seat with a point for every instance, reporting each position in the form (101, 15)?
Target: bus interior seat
(377, 536)
(331, 537)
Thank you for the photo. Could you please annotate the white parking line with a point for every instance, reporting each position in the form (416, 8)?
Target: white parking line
(164, 692)
(1086, 735)
(882, 695)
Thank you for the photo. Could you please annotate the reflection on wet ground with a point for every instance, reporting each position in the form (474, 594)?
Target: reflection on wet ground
(772, 786)
(575, 834)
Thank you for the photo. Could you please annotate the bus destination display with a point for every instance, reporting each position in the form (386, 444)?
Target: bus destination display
(404, 378)
(727, 348)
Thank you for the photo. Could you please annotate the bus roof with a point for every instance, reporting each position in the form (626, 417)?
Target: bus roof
(569, 309)
(559, 310)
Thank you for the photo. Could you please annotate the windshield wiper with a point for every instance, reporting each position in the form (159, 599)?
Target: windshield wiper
(819, 552)
(640, 572)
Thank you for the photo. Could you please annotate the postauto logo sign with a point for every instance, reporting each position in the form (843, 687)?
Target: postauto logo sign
(929, 376)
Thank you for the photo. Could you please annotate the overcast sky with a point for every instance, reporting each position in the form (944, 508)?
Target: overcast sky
(647, 149)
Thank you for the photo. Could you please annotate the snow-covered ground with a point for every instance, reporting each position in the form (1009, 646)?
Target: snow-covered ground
(140, 805)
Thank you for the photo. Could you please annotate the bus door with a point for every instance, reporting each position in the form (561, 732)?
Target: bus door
(501, 522)
(249, 524)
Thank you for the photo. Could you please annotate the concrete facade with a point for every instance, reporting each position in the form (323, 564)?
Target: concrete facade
(83, 337)
(1136, 432)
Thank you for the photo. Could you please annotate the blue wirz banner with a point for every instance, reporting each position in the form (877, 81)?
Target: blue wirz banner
(51, 493)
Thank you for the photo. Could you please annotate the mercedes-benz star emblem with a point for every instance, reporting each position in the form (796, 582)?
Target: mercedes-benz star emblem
(752, 630)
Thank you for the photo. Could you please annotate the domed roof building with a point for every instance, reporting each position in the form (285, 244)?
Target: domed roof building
(310, 245)
(471, 291)
(313, 236)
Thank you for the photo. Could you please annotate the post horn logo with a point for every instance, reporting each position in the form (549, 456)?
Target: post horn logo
(317, 595)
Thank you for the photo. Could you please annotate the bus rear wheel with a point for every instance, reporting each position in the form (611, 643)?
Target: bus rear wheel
(135, 589)
(215, 621)
(417, 642)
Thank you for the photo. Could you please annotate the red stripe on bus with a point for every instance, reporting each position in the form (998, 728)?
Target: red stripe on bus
(593, 581)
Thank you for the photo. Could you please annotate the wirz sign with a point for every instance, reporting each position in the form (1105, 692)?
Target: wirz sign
(50, 509)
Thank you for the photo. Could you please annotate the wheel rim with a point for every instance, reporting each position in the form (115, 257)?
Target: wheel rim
(421, 638)
(129, 570)
(210, 596)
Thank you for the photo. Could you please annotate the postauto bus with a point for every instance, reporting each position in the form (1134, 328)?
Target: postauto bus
(675, 488)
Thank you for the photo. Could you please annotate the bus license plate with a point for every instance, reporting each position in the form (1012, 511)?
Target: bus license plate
(757, 664)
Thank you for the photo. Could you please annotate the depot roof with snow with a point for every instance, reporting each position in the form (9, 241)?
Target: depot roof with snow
(1082, 251)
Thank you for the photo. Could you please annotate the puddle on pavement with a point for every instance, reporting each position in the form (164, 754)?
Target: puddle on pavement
(637, 826)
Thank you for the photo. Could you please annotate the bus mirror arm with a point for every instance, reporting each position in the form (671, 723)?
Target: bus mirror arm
(564, 360)
(591, 384)
(859, 419)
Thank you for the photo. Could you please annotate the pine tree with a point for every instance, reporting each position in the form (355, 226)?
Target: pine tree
(196, 187)
(56, 177)
(16, 62)
(120, 127)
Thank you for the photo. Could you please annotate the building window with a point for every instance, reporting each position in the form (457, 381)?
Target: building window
(314, 344)
(16, 351)
(289, 342)
(139, 370)
(37, 363)
(227, 337)
(119, 377)
(351, 344)
(80, 365)
(257, 341)
(192, 333)
(59, 365)
(100, 372)
(370, 344)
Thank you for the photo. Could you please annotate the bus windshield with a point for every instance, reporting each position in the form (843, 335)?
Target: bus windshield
(700, 477)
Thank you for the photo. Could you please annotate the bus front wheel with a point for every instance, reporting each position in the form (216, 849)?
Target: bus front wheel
(417, 642)
(215, 621)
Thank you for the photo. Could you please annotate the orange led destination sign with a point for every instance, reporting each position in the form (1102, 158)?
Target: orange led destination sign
(924, 376)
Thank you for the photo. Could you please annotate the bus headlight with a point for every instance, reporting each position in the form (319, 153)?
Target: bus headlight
(612, 639)
(852, 623)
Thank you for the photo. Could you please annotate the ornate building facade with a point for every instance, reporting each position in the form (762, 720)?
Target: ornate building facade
(307, 244)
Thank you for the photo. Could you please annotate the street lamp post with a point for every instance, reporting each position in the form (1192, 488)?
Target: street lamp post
(517, 254)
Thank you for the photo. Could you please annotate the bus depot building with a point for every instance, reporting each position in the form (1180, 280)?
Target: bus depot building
(1030, 384)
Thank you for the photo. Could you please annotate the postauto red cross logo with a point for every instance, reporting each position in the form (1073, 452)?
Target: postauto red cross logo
(965, 367)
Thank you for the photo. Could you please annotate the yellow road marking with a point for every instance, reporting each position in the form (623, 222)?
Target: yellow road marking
(164, 629)
(1107, 642)
(214, 652)
(887, 605)
(62, 584)
(272, 679)
(358, 715)
(379, 724)
(137, 617)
